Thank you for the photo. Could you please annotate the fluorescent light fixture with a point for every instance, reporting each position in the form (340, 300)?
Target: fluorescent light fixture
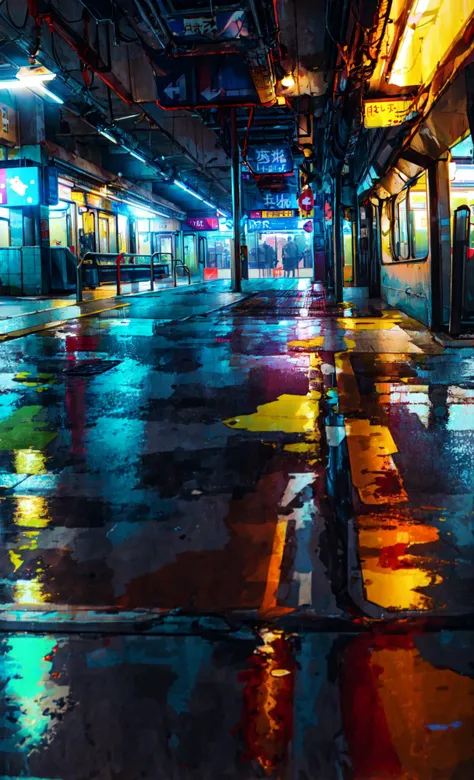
(108, 136)
(199, 197)
(464, 174)
(141, 213)
(43, 91)
(31, 78)
(137, 156)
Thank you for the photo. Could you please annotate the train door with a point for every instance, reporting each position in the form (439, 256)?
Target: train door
(374, 251)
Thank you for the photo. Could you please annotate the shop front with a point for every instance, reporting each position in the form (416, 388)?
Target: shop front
(279, 246)
(207, 247)
(156, 235)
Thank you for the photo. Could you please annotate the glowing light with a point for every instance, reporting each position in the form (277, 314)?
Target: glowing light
(29, 592)
(198, 197)
(30, 462)
(43, 91)
(108, 136)
(31, 512)
(288, 81)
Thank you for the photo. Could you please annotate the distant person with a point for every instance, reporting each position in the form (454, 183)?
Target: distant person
(266, 257)
(270, 256)
(291, 257)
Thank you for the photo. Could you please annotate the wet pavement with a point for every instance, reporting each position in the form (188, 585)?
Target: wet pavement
(236, 542)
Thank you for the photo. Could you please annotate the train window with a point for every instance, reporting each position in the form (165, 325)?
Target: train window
(418, 218)
(401, 228)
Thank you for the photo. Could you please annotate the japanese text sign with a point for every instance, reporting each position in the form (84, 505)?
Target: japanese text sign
(270, 159)
(385, 113)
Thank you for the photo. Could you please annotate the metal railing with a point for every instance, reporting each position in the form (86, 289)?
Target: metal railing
(118, 260)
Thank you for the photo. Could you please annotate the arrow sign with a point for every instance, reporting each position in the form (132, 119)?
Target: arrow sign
(176, 91)
(306, 200)
(210, 94)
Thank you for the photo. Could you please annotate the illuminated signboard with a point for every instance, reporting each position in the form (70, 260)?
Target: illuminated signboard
(272, 214)
(277, 201)
(203, 223)
(19, 187)
(386, 112)
(270, 159)
(282, 223)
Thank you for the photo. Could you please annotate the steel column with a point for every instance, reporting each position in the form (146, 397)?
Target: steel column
(236, 269)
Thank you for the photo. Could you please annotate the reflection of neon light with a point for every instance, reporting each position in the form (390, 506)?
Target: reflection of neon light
(29, 690)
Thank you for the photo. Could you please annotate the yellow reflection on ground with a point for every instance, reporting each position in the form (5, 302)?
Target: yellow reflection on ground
(268, 696)
(429, 713)
(29, 592)
(374, 472)
(289, 414)
(30, 462)
(315, 342)
(393, 575)
(269, 602)
(31, 512)
(347, 387)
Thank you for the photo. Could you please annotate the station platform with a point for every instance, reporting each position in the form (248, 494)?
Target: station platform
(232, 525)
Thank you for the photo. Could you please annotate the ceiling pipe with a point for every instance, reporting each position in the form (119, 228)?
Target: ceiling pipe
(118, 88)
(146, 21)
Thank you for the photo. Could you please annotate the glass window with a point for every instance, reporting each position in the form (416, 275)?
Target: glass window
(401, 228)
(418, 216)
(4, 227)
(123, 236)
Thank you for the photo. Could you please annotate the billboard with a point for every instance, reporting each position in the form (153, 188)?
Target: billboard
(19, 187)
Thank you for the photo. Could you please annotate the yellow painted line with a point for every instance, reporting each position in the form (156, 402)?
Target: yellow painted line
(373, 469)
(17, 334)
(347, 387)
(269, 602)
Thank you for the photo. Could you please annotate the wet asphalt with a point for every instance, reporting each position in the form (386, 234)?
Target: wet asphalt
(236, 541)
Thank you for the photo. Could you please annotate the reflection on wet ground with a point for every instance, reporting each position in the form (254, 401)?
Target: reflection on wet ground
(280, 496)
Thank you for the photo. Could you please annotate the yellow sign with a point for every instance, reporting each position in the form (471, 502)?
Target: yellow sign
(78, 197)
(386, 112)
(277, 214)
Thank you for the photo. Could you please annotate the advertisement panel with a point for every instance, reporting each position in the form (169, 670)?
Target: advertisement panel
(19, 187)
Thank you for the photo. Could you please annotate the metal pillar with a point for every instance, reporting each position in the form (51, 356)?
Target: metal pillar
(236, 270)
(337, 241)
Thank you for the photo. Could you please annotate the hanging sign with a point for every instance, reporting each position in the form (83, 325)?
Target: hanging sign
(19, 187)
(386, 112)
(270, 159)
(263, 225)
(273, 214)
(220, 25)
(306, 200)
(203, 223)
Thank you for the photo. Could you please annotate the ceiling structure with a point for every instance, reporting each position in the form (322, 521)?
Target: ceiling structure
(147, 85)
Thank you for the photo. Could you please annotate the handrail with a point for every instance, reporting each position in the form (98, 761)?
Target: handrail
(119, 257)
(185, 268)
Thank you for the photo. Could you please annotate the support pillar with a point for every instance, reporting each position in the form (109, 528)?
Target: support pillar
(236, 269)
(337, 241)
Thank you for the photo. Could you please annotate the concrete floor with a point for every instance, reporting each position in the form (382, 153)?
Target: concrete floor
(240, 545)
